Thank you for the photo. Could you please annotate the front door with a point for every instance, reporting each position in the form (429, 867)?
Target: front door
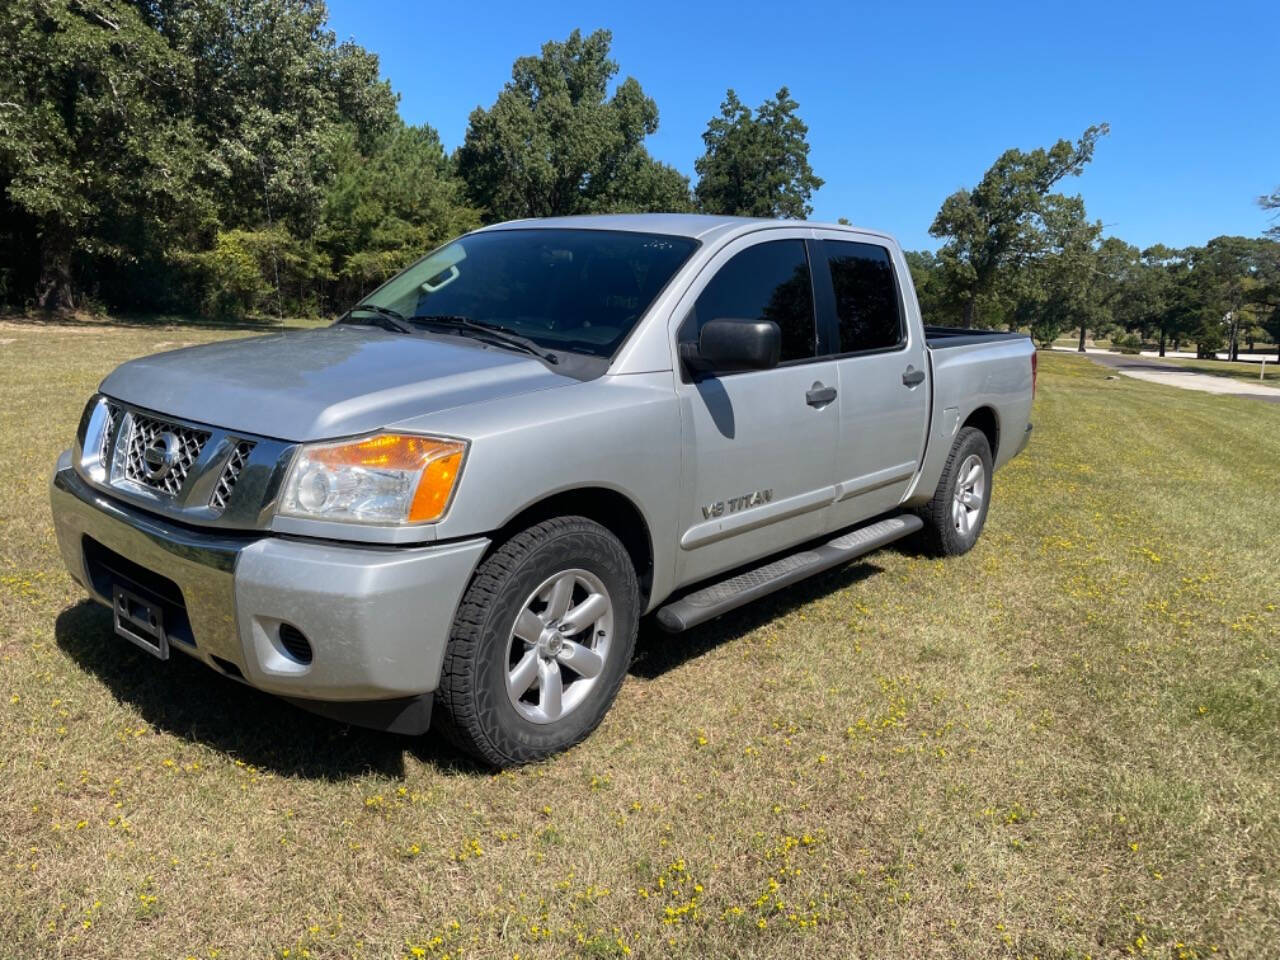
(759, 446)
(883, 375)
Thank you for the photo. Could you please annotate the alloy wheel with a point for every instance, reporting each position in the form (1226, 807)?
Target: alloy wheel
(558, 645)
(970, 493)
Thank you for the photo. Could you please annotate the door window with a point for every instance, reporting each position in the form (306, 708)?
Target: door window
(867, 304)
(769, 281)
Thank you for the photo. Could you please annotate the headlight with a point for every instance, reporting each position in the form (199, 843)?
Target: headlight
(386, 478)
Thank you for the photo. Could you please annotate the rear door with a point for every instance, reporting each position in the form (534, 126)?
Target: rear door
(882, 371)
(759, 447)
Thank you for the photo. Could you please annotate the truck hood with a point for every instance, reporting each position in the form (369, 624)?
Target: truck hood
(324, 383)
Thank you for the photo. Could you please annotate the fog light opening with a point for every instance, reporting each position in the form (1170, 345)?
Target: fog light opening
(295, 643)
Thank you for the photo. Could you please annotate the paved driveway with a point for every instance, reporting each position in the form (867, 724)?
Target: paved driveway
(1143, 368)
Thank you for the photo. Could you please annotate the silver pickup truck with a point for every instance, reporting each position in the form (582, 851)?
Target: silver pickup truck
(455, 504)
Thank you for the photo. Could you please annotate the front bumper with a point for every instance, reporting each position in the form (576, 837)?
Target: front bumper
(377, 618)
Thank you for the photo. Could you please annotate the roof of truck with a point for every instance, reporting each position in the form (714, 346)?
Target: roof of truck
(696, 225)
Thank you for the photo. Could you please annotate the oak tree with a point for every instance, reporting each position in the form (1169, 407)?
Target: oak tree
(997, 227)
(555, 143)
(756, 165)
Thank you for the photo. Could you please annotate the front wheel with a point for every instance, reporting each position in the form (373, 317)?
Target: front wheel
(954, 518)
(541, 642)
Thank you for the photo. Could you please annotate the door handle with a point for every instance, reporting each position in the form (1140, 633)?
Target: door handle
(818, 395)
(913, 377)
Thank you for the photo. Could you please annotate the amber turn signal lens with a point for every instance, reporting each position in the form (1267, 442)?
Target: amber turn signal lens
(434, 489)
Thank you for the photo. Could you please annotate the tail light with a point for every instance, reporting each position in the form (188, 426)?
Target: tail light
(1035, 356)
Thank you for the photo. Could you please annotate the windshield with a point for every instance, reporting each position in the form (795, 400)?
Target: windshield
(574, 290)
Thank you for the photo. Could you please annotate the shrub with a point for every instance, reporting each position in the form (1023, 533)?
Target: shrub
(233, 284)
(1045, 331)
(1126, 343)
(238, 276)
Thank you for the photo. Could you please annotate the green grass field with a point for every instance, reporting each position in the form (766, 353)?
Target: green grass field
(1065, 744)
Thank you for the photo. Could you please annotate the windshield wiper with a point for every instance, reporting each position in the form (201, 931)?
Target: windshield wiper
(489, 331)
(390, 318)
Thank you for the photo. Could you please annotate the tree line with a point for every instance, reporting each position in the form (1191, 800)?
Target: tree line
(1017, 253)
(232, 157)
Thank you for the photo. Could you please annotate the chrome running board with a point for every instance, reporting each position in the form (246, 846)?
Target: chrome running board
(711, 601)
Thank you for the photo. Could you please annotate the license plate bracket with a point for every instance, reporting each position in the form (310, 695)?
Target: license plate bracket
(139, 621)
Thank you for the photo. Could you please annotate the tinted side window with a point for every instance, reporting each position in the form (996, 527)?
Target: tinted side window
(769, 281)
(866, 296)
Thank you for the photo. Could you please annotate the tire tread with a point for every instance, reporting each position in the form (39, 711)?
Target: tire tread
(939, 537)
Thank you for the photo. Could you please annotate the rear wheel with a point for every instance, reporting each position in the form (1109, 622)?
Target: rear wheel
(954, 518)
(541, 643)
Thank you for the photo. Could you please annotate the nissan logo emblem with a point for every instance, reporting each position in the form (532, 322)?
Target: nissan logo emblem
(159, 456)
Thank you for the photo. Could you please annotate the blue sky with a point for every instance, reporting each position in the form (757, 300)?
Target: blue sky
(906, 103)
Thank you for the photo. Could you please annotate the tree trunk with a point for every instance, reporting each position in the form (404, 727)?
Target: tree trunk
(1162, 341)
(1233, 347)
(969, 313)
(1082, 327)
(54, 290)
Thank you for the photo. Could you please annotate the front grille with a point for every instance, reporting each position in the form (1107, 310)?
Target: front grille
(230, 474)
(190, 471)
(144, 432)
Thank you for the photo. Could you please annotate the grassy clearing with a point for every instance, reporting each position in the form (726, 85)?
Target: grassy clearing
(1062, 745)
(157, 321)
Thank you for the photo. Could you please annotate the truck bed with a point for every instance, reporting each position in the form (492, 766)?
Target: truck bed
(939, 338)
(970, 370)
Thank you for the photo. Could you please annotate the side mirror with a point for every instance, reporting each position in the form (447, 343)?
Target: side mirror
(725, 345)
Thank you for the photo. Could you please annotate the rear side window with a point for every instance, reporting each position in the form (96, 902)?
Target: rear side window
(866, 296)
(769, 281)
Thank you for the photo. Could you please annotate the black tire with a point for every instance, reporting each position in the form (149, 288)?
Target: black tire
(941, 537)
(471, 703)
